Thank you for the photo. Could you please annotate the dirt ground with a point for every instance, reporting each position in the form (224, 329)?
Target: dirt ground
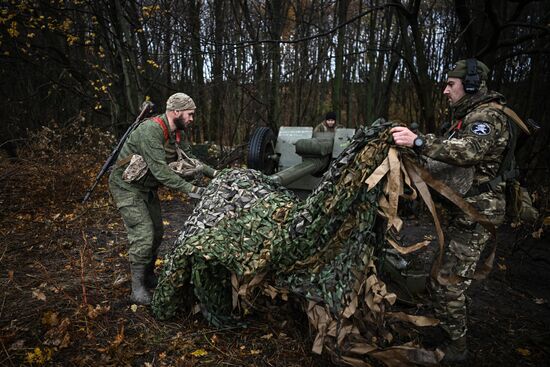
(64, 285)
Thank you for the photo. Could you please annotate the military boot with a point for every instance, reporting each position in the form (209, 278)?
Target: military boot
(150, 276)
(140, 294)
(456, 351)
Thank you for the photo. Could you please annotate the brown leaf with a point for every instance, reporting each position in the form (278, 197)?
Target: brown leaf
(59, 336)
(119, 337)
(38, 294)
(97, 311)
(537, 234)
(50, 318)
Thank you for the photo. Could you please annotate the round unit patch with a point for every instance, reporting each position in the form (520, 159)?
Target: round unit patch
(480, 128)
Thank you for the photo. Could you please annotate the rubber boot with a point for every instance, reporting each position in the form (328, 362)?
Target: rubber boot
(456, 351)
(151, 280)
(140, 294)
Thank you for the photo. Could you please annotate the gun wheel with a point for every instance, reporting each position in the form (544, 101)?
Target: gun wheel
(261, 151)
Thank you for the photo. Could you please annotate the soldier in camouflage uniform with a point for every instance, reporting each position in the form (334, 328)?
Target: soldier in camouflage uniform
(156, 140)
(478, 137)
(328, 124)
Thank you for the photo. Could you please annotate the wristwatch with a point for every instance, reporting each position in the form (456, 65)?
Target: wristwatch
(418, 144)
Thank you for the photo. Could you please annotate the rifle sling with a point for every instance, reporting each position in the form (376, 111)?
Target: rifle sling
(508, 112)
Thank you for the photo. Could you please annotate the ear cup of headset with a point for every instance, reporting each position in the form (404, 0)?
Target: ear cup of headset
(472, 81)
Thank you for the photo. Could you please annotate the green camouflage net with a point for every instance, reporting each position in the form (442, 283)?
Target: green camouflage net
(250, 241)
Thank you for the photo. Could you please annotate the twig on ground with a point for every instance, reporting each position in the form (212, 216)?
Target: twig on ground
(7, 354)
(3, 303)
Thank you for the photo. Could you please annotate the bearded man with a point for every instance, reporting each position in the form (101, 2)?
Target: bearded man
(157, 142)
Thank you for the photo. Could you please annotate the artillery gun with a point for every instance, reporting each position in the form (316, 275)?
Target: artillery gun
(298, 157)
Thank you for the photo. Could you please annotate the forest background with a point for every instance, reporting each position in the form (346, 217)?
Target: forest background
(266, 63)
(73, 74)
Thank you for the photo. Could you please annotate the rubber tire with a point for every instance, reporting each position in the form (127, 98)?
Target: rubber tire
(261, 146)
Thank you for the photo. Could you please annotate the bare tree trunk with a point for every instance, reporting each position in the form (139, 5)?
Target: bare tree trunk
(414, 49)
(198, 72)
(342, 10)
(123, 41)
(276, 10)
(218, 90)
(259, 80)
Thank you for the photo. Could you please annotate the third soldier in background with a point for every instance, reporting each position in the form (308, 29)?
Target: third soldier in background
(328, 124)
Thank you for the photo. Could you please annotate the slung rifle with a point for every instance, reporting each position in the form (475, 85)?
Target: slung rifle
(147, 109)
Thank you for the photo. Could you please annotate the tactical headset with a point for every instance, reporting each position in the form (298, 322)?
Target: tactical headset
(472, 81)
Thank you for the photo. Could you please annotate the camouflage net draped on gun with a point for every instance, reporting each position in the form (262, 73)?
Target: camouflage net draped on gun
(250, 241)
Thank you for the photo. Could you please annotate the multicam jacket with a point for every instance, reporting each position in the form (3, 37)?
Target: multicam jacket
(477, 138)
(322, 128)
(148, 141)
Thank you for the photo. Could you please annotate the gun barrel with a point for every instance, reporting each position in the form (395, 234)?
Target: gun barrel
(308, 166)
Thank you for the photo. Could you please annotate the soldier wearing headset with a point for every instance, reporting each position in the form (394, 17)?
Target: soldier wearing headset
(482, 135)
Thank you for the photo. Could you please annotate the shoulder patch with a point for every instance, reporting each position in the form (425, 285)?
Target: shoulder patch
(480, 128)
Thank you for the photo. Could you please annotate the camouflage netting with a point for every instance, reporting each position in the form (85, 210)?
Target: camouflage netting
(250, 241)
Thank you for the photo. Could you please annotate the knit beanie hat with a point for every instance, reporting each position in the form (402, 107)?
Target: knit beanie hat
(180, 101)
(330, 116)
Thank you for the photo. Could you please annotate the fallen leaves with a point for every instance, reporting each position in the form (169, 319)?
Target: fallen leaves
(199, 353)
(50, 318)
(537, 234)
(117, 341)
(94, 312)
(59, 336)
(523, 352)
(38, 294)
(39, 357)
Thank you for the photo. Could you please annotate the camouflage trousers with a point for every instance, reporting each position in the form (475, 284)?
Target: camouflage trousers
(466, 242)
(141, 213)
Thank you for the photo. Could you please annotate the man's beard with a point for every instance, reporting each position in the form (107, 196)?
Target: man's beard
(180, 123)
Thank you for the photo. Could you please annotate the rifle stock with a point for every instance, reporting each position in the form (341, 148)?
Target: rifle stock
(147, 109)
